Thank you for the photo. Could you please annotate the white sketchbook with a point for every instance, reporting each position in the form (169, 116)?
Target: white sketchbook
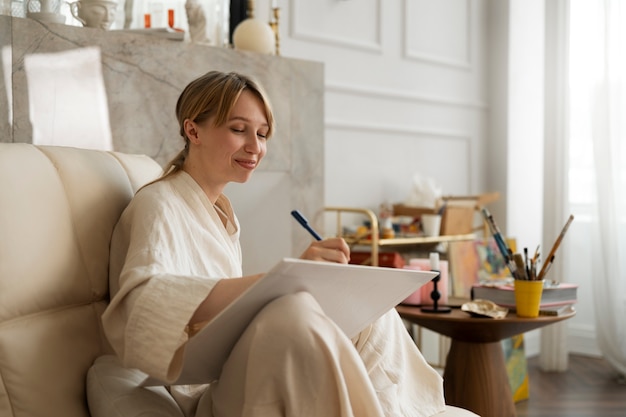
(352, 295)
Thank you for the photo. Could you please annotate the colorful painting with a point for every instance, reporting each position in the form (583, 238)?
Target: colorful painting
(492, 264)
(516, 366)
(476, 261)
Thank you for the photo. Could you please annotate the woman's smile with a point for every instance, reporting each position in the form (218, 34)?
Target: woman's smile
(246, 163)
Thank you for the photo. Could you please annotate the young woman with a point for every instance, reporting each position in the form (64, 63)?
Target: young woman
(176, 263)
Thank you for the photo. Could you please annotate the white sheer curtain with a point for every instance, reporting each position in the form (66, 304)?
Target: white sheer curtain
(596, 138)
(554, 347)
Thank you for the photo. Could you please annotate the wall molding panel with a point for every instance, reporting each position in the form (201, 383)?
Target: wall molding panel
(464, 138)
(384, 93)
(402, 130)
(415, 29)
(299, 30)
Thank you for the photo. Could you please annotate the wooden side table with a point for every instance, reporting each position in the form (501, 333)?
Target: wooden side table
(475, 374)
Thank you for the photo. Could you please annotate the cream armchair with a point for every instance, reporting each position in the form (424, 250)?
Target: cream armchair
(58, 207)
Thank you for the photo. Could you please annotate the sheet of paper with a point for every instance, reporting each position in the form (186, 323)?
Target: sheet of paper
(352, 295)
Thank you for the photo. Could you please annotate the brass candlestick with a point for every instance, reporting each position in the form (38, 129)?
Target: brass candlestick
(274, 25)
(250, 9)
(435, 295)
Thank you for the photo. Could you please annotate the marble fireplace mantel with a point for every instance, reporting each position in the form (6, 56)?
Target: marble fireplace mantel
(143, 76)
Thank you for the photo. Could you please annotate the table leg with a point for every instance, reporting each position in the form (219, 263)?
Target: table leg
(475, 378)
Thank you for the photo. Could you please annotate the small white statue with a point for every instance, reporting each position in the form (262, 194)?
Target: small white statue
(197, 21)
(128, 13)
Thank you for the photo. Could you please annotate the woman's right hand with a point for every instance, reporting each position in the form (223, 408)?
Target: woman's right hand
(333, 249)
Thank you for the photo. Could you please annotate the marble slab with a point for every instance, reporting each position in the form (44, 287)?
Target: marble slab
(143, 76)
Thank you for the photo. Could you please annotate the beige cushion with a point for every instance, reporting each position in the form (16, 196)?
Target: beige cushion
(58, 207)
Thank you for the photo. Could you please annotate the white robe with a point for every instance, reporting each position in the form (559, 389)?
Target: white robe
(168, 251)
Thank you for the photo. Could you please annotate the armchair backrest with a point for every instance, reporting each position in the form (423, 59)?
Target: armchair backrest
(58, 207)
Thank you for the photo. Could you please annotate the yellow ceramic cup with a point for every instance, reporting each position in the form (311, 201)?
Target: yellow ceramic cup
(528, 297)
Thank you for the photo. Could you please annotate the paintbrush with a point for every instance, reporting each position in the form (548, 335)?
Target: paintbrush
(543, 270)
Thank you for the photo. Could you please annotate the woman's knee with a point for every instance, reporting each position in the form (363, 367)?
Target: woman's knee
(289, 312)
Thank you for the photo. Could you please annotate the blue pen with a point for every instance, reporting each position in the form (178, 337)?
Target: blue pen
(304, 222)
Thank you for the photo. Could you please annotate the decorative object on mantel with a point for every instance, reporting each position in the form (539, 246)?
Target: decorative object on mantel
(274, 24)
(128, 13)
(219, 23)
(94, 13)
(209, 21)
(254, 34)
(197, 21)
(45, 11)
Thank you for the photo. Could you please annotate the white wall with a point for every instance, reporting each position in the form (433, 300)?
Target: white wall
(405, 93)
(449, 89)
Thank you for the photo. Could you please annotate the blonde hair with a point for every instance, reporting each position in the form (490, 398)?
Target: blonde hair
(213, 95)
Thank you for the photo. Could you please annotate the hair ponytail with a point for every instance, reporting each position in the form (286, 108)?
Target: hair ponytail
(174, 166)
(177, 163)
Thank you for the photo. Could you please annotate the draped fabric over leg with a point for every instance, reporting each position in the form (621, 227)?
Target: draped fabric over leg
(292, 354)
(406, 385)
(292, 361)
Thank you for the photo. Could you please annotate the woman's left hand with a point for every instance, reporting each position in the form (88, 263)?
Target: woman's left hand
(333, 249)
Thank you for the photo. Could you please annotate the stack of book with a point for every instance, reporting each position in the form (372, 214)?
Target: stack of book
(556, 299)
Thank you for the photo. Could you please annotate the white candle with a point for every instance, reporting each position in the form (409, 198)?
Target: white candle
(274, 4)
(434, 261)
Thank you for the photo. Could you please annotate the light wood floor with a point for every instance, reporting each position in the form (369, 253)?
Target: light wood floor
(590, 388)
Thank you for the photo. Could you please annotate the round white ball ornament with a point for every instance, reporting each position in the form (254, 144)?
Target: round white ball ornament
(254, 35)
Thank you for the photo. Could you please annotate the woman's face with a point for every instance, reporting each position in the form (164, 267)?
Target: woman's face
(231, 152)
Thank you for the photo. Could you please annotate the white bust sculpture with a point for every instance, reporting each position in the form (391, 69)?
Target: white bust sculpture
(94, 13)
